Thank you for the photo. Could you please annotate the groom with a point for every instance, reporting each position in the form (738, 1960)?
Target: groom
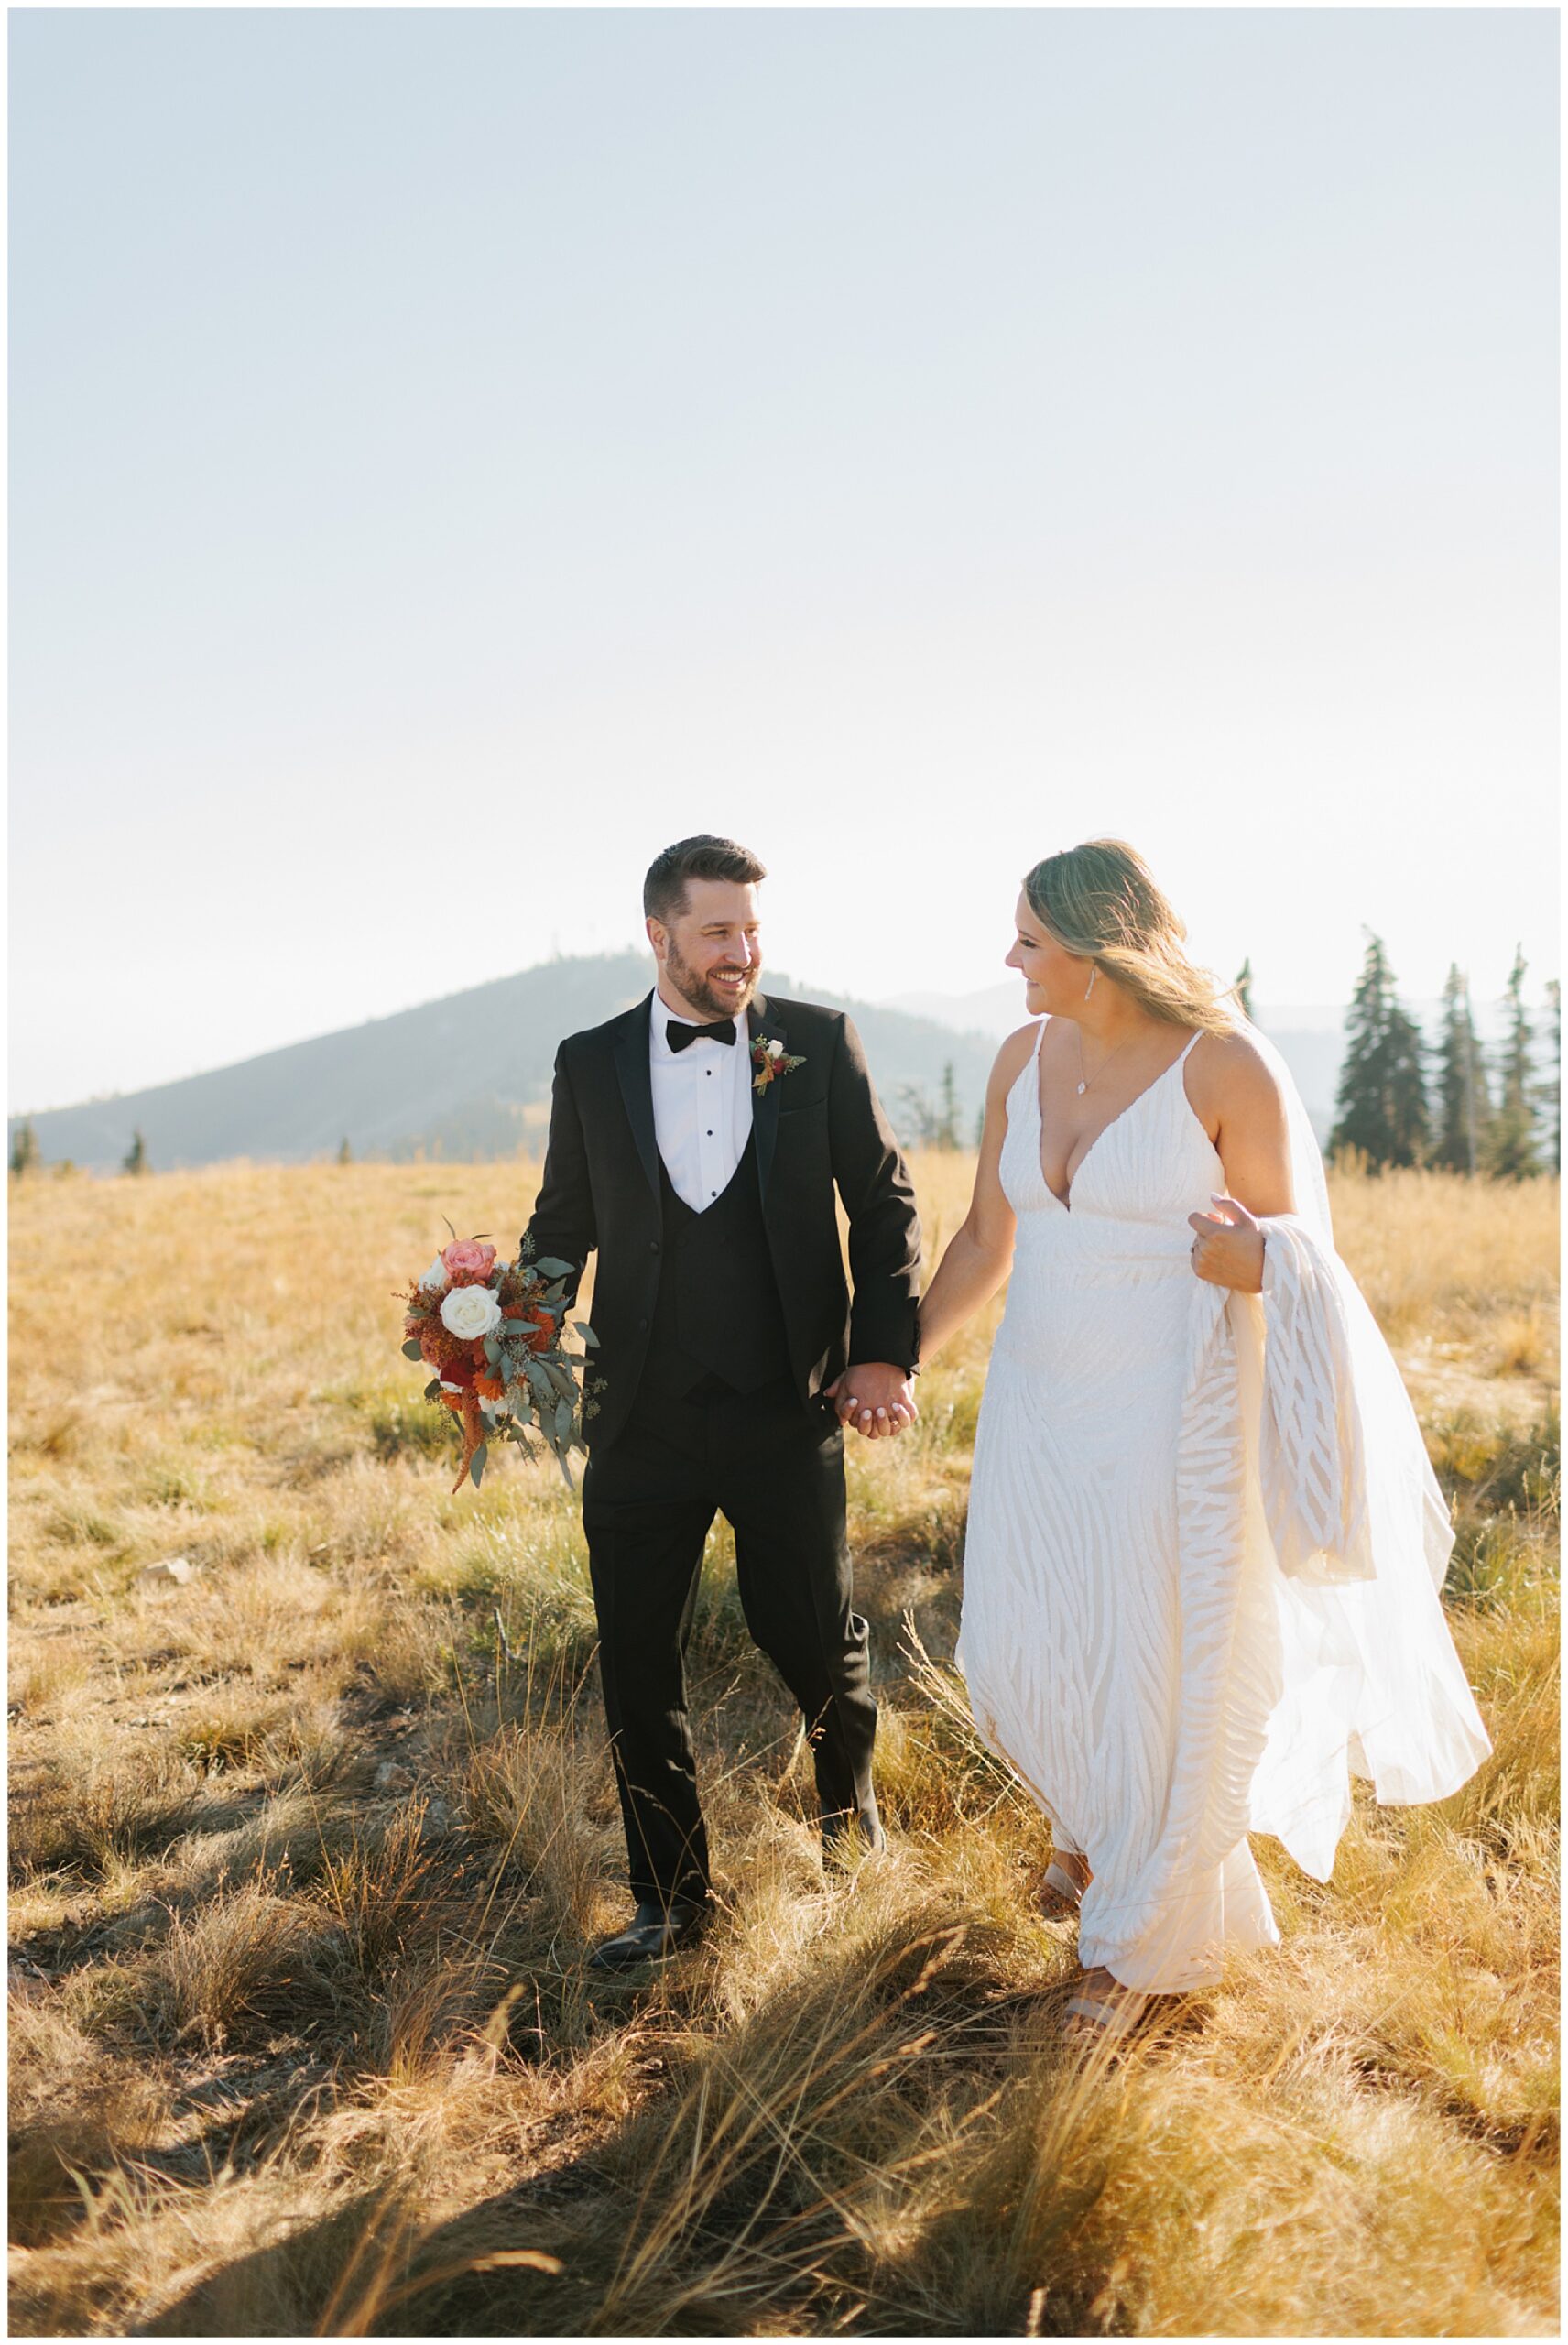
(696, 1140)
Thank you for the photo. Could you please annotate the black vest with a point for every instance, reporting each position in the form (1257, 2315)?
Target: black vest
(718, 1312)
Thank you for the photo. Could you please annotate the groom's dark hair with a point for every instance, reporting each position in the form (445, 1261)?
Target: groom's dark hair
(703, 857)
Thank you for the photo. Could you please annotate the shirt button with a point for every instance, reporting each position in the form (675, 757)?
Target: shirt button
(653, 1245)
(641, 1323)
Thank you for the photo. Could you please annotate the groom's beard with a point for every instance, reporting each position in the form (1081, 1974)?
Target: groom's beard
(719, 1002)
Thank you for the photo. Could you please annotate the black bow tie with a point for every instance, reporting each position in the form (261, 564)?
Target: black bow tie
(682, 1037)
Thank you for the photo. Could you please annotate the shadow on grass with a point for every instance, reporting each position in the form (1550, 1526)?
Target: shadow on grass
(774, 2175)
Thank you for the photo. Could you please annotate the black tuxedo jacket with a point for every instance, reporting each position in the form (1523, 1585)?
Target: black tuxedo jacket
(818, 1128)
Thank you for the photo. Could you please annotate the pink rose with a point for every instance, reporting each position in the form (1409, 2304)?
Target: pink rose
(468, 1261)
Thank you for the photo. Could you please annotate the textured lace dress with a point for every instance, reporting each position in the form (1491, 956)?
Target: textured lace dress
(1131, 1644)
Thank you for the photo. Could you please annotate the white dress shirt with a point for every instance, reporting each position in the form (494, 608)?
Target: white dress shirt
(701, 1106)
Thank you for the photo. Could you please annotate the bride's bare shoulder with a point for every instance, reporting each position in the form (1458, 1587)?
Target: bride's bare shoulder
(1013, 1057)
(1230, 1069)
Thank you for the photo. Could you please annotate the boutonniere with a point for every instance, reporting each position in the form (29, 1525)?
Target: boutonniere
(771, 1059)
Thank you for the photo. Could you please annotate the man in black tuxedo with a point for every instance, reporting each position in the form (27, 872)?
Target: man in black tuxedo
(696, 1141)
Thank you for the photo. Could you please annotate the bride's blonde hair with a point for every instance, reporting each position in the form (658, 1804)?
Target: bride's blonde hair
(1100, 899)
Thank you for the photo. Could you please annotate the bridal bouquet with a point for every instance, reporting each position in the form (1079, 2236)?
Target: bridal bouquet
(492, 1334)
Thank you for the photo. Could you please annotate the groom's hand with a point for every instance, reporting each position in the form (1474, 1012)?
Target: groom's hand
(875, 1398)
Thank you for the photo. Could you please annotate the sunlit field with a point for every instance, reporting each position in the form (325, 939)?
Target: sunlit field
(312, 1829)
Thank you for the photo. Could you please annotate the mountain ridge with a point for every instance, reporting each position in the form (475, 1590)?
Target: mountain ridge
(468, 1073)
(465, 1075)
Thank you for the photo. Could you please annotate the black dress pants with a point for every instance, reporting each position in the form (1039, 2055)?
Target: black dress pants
(776, 1471)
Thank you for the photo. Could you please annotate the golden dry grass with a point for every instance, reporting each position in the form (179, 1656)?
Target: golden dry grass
(306, 1853)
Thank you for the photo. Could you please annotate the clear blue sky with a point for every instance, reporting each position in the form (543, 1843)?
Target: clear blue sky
(455, 453)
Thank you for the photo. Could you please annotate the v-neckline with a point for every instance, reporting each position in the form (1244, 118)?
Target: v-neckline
(1066, 1202)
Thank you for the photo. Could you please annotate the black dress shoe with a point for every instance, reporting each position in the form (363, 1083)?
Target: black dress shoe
(654, 1934)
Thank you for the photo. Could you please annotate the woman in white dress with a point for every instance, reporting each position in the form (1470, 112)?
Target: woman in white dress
(1204, 1543)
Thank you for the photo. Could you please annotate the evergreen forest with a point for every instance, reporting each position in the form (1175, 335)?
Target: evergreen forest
(1451, 1103)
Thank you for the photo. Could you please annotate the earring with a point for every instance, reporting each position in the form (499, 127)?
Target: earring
(1090, 987)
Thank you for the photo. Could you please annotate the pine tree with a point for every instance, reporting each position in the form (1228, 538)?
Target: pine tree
(947, 1134)
(1243, 989)
(345, 1153)
(1382, 1106)
(1551, 1090)
(1408, 1114)
(24, 1148)
(1464, 1105)
(1512, 1156)
(914, 1114)
(135, 1159)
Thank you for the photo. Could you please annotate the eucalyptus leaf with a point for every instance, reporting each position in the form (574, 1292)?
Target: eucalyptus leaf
(432, 1389)
(588, 1338)
(492, 1349)
(563, 1416)
(411, 1350)
(551, 1266)
(476, 1465)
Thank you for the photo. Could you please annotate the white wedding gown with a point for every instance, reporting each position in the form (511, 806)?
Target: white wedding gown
(1132, 1644)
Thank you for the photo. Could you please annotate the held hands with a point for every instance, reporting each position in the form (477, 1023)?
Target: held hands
(1228, 1247)
(876, 1399)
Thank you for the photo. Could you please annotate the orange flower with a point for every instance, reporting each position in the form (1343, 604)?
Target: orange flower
(544, 1323)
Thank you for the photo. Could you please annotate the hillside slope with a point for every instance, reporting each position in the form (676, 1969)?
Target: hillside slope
(468, 1075)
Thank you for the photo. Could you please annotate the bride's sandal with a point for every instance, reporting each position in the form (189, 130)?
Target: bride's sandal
(1067, 1876)
(1103, 2008)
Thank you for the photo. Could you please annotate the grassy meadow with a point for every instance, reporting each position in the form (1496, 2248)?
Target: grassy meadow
(310, 1835)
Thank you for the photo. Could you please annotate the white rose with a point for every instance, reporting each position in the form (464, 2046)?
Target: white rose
(435, 1278)
(775, 1050)
(469, 1312)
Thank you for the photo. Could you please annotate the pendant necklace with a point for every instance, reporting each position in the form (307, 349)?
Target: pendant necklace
(1085, 1080)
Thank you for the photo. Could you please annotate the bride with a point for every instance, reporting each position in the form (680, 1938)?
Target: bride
(1204, 1543)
